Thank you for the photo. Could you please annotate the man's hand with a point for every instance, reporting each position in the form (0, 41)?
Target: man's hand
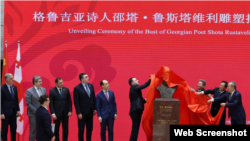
(115, 116)
(79, 116)
(191, 89)
(69, 114)
(100, 119)
(2, 116)
(18, 113)
(223, 104)
(53, 138)
(209, 101)
(94, 113)
(210, 96)
(54, 116)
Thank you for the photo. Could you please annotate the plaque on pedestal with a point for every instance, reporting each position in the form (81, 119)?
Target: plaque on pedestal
(166, 112)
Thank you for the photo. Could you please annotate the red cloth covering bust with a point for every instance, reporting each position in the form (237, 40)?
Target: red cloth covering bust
(194, 109)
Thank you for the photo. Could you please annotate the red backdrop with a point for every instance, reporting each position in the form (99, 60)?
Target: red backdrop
(50, 50)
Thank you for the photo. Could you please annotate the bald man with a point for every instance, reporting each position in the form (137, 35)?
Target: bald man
(106, 110)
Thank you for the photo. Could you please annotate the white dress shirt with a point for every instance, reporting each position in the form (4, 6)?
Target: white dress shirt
(39, 92)
(59, 89)
(44, 107)
(105, 93)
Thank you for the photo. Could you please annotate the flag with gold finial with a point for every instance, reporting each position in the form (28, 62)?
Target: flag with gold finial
(18, 83)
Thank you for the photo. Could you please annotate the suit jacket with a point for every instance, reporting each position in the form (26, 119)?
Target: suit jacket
(83, 103)
(236, 109)
(216, 105)
(43, 125)
(200, 90)
(57, 103)
(8, 104)
(32, 100)
(104, 106)
(135, 96)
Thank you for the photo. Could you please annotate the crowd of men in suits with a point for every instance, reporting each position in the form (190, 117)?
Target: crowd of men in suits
(87, 104)
(226, 92)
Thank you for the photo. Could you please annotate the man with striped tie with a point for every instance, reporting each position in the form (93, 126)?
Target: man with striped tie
(106, 110)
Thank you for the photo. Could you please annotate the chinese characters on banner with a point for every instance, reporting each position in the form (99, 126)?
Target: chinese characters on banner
(133, 16)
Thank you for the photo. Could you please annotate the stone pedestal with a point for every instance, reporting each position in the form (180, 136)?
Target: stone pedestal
(166, 112)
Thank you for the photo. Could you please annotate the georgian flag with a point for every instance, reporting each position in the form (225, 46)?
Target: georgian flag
(19, 85)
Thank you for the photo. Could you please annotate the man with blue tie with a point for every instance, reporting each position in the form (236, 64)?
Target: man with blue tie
(85, 105)
(106, 110)
(236, 110)
(60, 107)
(9, 107)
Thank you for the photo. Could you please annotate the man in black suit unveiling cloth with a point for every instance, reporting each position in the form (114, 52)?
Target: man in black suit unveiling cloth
(136, 105)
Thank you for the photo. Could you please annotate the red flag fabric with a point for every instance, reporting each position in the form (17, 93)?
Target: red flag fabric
(194, 109)
(5, 64)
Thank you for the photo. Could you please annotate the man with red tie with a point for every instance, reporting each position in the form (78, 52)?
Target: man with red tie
(106, 110)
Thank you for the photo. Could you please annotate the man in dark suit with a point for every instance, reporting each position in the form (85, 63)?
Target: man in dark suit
(85, 104)
(9, 107)
(217, 92)
(136, 105)
(60, 108)
(106, 110)
(236, 109)
(43, 121)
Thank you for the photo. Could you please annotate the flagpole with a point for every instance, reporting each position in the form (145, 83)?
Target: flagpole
(18, 133)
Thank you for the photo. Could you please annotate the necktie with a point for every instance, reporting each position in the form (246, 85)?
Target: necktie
(87, 89)
(60, 92)
(107, 96)
(61, 95)
(11, 92)
(230, 96)
(39, 92)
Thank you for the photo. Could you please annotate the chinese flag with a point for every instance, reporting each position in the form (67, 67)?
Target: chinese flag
(19, 85)
(194, 110)
(5, 66)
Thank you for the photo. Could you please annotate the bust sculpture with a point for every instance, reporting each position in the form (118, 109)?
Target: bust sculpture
(165, 91)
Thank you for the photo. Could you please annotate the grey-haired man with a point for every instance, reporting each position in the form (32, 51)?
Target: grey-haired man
(32, 101)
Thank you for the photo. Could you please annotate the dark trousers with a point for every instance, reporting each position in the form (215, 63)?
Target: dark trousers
(136, 121)
(88, 120)
(9, 120)
(238, 121)
(65, 122)
(110, 123)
